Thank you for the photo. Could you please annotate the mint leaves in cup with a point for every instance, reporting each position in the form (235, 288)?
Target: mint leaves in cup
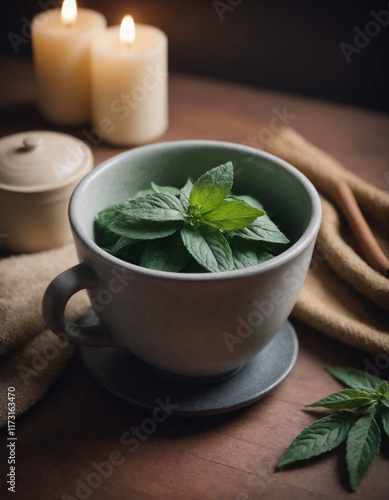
(364, 417)
(200, 227)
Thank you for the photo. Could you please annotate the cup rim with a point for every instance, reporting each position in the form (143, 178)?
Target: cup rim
(277, 261)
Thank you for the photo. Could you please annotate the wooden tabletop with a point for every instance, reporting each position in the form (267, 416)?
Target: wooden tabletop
(69, 438)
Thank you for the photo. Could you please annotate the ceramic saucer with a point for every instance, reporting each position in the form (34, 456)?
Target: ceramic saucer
(124, 375)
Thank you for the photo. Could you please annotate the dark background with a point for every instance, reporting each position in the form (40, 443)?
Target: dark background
(285, 45)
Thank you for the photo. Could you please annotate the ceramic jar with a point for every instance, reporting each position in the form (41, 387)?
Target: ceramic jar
(38, 173)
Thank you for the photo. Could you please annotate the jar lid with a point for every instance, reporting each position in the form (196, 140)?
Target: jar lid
(42, 160)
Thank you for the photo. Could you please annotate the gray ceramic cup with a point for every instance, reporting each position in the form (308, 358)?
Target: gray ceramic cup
(194, 325)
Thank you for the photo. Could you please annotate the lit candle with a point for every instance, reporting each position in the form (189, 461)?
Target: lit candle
(61, 47)
(129, 83)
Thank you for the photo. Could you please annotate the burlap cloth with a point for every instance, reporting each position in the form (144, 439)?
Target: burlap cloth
(342, 296)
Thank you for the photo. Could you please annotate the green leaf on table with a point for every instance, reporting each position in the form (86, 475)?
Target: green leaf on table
(212, 187)
(166, 254)
(321, 436)
(165, 189)
(355, 379)
(160, 207)
(363, 444)
(209, 247)
(347, 398)
(231, 215)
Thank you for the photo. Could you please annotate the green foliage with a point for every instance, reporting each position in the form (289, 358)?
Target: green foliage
(369, 397)
(168, 227)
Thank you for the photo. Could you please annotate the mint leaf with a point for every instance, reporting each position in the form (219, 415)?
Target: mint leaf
(166, 254)
(385, 402)
(262, 229)
(142, 193)
(132, 253)
(209, 247)
(125, 225)
(160, 207)
(104, 237)
(263, 255)
(244, 253)
(159, 212)
(185, 193)
(250, 200)
(122, 242)
(231, 215)
(355, 379)
(348, 398)
(212, 187)
(363, 443)
(165, 189)
(383, 388)
(384, 414)
(321, 436)
(193, 267)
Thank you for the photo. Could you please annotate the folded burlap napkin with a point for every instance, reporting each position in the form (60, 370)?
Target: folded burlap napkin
(31, 357)
(342, 296)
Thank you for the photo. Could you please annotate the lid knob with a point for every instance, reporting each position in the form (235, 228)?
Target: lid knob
(41, 160)
(31, 142)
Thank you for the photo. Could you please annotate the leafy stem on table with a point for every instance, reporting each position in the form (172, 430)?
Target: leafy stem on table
(363, 419)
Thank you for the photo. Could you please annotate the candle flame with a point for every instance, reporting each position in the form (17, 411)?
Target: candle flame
(127, 30)
(69, 12)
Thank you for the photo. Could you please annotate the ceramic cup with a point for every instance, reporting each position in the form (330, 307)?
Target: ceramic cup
(194, 325)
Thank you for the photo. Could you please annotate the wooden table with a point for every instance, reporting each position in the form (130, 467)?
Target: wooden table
(77, 426)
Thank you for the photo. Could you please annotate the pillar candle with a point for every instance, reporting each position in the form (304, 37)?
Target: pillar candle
(61, 50)
(130, 84)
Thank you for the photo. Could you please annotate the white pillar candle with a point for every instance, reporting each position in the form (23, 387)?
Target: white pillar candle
(61, 50)
(130, 84)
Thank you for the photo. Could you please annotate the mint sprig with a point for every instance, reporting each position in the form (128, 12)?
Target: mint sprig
(362, 428)
(167, 228)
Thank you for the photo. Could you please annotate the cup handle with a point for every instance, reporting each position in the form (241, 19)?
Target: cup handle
(54, 302)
